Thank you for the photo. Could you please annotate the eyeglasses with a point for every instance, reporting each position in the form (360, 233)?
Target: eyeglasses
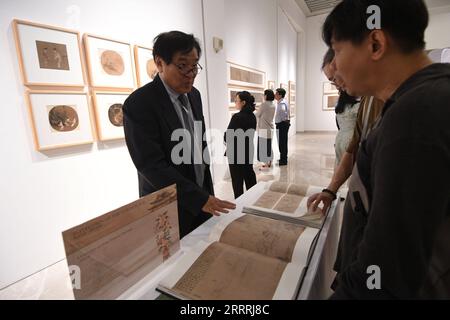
(185, 69)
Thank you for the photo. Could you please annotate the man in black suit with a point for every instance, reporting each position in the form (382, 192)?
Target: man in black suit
(154, 117)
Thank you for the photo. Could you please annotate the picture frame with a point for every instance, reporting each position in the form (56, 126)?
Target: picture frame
(110, 63)
(48, 56)
(59, 119)
(241, 76)
(292, 98)
(329, 101)
(146, 69)
(271, 85)
(257, 93)
(284, 86)
(108, 114)
(329, 88)
(292, 111)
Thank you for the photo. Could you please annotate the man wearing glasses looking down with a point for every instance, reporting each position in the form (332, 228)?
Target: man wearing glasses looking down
(154, 117)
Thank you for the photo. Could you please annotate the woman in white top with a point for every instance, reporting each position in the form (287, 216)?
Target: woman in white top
(346, 116)
(264, 116)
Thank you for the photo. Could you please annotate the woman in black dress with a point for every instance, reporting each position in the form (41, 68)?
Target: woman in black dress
(240, 147)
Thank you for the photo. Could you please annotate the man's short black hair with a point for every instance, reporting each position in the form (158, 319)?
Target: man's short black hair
(167, 44)
(270, 96)
(404, 20)
(281, 92)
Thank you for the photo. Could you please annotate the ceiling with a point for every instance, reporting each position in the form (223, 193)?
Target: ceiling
(317, 7)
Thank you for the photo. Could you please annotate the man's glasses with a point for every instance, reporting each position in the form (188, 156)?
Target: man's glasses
(186, 70)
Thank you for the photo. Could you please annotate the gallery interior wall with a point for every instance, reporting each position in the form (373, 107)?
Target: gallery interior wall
(46, 193)
(287, 57)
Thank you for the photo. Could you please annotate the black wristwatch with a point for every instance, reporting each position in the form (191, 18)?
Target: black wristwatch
(331, 193)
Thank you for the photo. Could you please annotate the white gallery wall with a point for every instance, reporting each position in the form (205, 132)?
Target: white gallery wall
(436, 36)
(287, 57)
(315, 118)
(43, 194)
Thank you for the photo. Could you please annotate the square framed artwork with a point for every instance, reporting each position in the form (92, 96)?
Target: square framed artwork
(271, 85)
(146, 69)
(241, 76)
(291, 86)
(232, 91)
(108, 114)
(329, 88)
(292, 92)
(292, 111)
(48, 55)
(330, 101)
(59, 119)
(110, 63)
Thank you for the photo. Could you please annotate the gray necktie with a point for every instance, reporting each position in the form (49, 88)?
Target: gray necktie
(189, 125)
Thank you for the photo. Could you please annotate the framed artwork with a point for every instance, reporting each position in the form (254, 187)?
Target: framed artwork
(329, 88)
(241, 76)
(292, 98)
(232, 91)
(146, 69)
(48, 56)
(110, 63)
(108, 114)
(59, 119)
(271, 85)
(284, 86)
(330, 101)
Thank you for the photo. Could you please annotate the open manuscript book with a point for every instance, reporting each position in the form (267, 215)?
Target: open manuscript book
(288, 202)
(247, 257)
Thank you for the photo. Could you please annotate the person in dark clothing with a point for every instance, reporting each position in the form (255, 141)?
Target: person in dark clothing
(153, 113)
(396, 225)
(240, 147)
(282, 123)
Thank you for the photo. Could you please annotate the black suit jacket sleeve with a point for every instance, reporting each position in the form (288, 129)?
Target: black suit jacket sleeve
(144, 141)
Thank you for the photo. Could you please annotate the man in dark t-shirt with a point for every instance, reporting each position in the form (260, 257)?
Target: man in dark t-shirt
(396, 227)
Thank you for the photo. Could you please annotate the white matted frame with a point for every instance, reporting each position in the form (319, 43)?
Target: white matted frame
(146, 69)
(271, 85)
(285, 87)
(292, 98)
(329, 101)
(59, 119)
(48, 55)
(110, 63)
(257, 93)
(241, 76)
(108, 114)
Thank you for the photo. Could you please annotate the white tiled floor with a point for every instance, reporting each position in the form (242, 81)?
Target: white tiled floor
(311, 161)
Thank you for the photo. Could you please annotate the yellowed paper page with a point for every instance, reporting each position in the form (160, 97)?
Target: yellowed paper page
(268, 199)
(117, 249)
(226, 272)
(269, 237)
(288, 203)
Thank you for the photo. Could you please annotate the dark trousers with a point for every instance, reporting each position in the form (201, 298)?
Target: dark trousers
(264, 149)
(282, 135)
(240, 173)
